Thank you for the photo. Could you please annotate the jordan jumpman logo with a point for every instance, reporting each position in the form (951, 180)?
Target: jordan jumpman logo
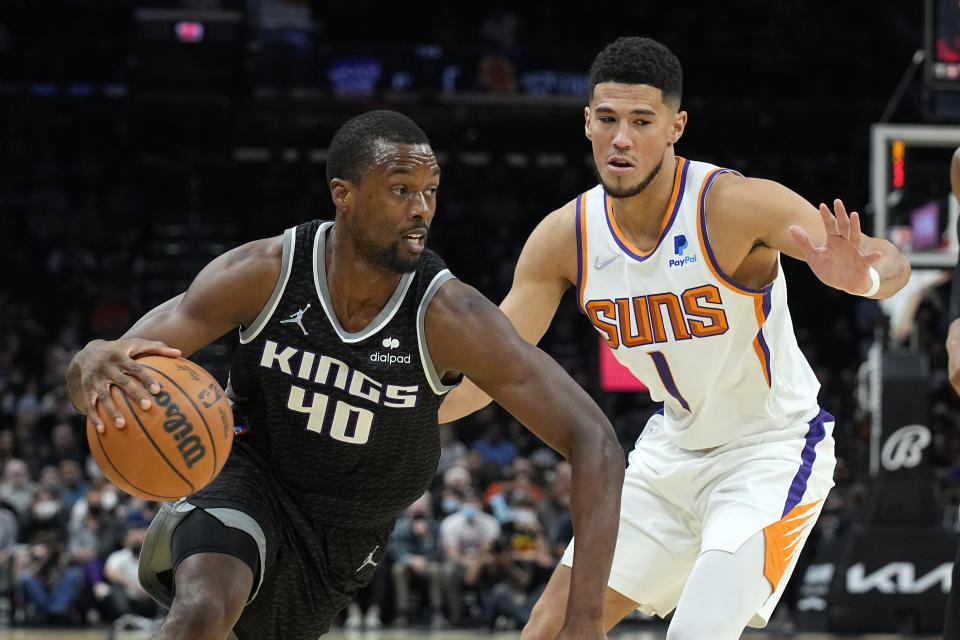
(298, 318)
(369, 560)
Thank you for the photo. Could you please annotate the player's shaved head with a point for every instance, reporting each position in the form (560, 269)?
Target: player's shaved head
(353, 149)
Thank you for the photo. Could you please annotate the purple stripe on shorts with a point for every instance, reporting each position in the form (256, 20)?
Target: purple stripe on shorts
(815, 434)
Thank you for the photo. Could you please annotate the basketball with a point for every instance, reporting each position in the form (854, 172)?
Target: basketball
(178, 445)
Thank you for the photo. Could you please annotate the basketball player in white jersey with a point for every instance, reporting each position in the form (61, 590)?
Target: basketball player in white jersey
(676, 263)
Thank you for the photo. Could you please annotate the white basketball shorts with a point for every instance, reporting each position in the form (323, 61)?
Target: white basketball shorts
(677, 504)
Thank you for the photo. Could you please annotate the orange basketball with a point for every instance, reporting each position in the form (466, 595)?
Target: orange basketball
(178, 445)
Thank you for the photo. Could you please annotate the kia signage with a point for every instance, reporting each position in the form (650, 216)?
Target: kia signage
(885, 580)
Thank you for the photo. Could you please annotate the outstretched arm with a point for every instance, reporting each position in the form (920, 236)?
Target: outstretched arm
(845, 256)
(467, 333)
(546, 268)
(228, 292)
(756, 218)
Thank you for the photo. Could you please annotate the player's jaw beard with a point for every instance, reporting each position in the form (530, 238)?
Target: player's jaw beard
(386, 257)
(629, 191)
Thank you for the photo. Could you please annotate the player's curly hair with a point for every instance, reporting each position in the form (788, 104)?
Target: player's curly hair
(633, 60)
(351, 151)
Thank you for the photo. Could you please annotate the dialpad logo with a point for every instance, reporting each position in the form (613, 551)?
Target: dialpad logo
(389, 358)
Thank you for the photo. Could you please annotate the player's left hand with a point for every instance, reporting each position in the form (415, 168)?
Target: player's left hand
(839, 261)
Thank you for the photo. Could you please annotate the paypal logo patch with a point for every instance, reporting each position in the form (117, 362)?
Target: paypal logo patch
(679, 246)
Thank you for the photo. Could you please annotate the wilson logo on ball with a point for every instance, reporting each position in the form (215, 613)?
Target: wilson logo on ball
(188, 443)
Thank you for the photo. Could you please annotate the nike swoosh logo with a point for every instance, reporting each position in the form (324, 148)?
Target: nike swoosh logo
(600, 265)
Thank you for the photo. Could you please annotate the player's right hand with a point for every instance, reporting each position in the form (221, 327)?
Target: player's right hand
(102, 364)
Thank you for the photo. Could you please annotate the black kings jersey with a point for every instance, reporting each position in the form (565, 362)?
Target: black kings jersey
(345, 423)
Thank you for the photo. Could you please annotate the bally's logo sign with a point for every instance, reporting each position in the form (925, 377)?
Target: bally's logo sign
(904, 448)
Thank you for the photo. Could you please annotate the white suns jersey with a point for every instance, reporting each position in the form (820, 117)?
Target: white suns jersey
(722, 357)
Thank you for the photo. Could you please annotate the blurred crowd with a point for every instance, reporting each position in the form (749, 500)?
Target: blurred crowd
(478, 548)
(86, 185)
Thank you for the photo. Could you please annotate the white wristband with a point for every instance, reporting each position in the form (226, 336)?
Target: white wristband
(875, 284)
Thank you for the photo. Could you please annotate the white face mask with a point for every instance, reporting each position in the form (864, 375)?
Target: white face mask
(109, 500)
(524, 517)
(46, 509)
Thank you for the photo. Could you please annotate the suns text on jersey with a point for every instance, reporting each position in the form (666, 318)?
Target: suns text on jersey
(642, 320)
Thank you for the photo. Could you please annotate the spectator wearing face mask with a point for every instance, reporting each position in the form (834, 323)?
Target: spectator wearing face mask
(50, 585)
(524, 563)
(417, 562)
(126, 597)
(46, 516)
(456, 481)
(468, 537)
(94, 534)
(101, 494)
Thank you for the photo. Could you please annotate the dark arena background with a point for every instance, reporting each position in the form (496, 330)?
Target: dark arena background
(140, 139)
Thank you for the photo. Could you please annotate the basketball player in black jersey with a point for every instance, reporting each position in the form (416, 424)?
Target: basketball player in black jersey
(351, 332)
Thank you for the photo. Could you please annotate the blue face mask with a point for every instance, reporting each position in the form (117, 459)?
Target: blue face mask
(470, 512)
(451, 505)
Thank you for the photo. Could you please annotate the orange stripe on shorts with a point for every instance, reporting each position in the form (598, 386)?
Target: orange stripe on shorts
(782, 537)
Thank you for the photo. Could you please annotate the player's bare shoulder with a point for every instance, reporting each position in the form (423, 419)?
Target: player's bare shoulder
(746, 208)
(455, 319)
(240, 281)
(258, 262)
(455, 305)
(736, 211)
(264, 253)
(727, 193)
(551, 250)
